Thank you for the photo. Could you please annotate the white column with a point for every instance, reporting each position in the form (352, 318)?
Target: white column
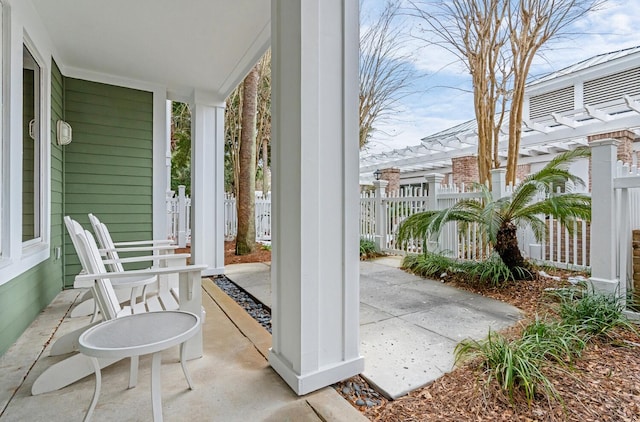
(603, 222)
(315, 267)
(161, 165)
(498, 183)
(207, 184)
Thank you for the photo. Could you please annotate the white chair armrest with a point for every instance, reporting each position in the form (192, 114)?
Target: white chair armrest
(149, 272)
(189, 269)
(147, 242)
(147, 258)
(141, 249)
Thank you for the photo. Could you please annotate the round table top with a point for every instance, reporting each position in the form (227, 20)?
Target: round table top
(139, 334)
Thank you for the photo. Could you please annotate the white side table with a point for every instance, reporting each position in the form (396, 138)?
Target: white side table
(135, 335)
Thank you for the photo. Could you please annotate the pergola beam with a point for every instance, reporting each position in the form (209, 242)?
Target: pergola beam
(565, 121)
(597, 114)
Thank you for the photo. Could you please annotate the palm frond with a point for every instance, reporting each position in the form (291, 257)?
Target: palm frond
(431, 223)
(565, 206)
(563, 160)
(416, 226)
(491, 219)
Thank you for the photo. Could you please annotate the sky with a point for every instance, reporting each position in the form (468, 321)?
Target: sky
(440, 95)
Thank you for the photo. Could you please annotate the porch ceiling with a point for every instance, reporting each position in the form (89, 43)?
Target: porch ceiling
(206, 45)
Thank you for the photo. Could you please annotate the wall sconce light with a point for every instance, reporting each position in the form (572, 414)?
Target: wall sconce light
(64, 132)
(377, 174)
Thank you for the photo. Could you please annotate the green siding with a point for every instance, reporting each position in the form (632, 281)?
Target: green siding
(22, 299)
(108, 166)
(106, 170)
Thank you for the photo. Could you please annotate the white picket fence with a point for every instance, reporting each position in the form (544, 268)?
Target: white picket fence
(263, 217)
(381, 216)
(627, 215)
(559, 249)
(179, 217)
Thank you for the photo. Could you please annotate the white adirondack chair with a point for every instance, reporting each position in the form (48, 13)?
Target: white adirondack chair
(79, 366)
(125, 288)
(110, 250)
(130, 285)
(163, 253)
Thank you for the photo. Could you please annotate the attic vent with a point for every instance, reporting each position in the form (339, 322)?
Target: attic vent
(551, 102)
(612, 87)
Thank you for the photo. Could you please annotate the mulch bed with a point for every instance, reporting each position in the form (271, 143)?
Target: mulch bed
(230, 257)
(604, 385)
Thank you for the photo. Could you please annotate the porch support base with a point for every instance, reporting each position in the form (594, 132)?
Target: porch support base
(607, 287)
(303, 384)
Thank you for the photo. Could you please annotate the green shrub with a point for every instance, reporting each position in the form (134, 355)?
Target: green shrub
(515, 365)
(553, 340)
(594, 314)
(429, 264)
(368, 248)
(493, 271)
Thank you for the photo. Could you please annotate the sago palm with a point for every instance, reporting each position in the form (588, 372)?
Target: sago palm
(499, 219)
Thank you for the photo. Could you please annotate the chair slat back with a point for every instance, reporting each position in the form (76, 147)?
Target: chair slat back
(73, 228)
(102, 290)
(106, 242)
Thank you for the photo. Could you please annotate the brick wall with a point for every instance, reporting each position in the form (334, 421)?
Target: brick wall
(576, 247)
(522, 171)
(391, 175)
(465, 170)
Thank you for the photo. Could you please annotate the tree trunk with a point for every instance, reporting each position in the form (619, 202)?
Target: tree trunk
(246, 200)
(507, 247)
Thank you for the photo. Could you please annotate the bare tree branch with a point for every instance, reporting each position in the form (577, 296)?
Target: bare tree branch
(497, 40)
(385, 72)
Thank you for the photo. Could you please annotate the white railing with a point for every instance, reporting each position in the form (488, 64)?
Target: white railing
(381, 216)
(627, 216)
(179, 216)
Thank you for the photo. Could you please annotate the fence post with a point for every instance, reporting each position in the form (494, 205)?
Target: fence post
(603, 227)
(182, 217)
(434, 181)
(380, 236)
(498, 183)
(168, 197)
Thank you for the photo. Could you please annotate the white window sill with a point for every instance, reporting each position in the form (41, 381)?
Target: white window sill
(31, 256)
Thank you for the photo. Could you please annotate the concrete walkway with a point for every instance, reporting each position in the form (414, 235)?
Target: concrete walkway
(233, 380)
(409, 326)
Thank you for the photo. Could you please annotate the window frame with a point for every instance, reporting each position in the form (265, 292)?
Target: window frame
(38, 151)
(16, 256)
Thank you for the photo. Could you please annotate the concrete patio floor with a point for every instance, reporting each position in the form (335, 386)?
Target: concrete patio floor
(233, 381)
(409, 326)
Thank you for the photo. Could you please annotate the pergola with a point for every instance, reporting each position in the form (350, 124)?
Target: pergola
(550, 125)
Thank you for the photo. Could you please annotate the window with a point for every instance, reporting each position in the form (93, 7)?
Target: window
(31, 148)
(24, 239)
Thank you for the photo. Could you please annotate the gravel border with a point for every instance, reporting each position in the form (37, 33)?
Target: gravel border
(355, 390)
(256, 309)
